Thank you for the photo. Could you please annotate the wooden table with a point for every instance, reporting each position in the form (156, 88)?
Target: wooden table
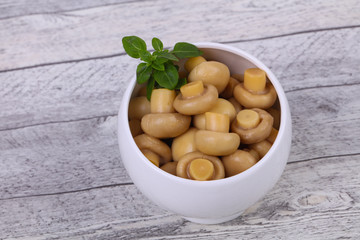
(63, 72)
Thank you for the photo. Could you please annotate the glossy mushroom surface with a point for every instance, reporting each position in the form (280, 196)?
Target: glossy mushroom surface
(214, 168)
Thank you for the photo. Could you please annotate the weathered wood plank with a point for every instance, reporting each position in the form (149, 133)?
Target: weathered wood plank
(81, 90)
(313, 192)
(55, 158)
(84, 154)
(43, 39)
(17, 8)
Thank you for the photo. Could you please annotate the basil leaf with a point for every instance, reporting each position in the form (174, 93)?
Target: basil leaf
(182, 82)
(168, 78)
(145, 56)
(168, 56)
(157, 44)
(150, 88)
(143, 73)
(185, 50)
(158, 65)
(133, 46)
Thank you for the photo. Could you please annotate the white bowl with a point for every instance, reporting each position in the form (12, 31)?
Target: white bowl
(217, 201)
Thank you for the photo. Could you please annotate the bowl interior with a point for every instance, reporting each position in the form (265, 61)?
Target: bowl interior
(237, 61)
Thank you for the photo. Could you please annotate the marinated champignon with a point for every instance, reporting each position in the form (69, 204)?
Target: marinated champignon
(155, 145)
(236, 104)
(238, 162)
(191, 63)
(163, 122)
(253, 153)
(138, 107)
(183, 144)
(229, 89)
(273, 134)
(153, 157)
(276, 115)
(195, 98)
(165, 125)
(135, 127)
(252, 125)
(216, 139)
(211, 72)
(222, 106)
(170, 167)
(261, 147)
(255, 92)
(199, 166)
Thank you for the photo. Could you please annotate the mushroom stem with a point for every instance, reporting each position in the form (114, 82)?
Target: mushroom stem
(162, 101)
(201, 169)
(255, 79)
(217, 122)
(248, 119)
(192, 89)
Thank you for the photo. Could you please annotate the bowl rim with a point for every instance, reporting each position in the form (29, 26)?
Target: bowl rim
(228, 180)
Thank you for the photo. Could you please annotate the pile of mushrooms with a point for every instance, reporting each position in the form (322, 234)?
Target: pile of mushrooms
(218, 125)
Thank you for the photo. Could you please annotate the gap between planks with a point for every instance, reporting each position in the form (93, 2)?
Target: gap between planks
(130, 183)
(236, 41)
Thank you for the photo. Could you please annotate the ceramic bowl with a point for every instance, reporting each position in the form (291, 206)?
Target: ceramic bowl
(209, 202)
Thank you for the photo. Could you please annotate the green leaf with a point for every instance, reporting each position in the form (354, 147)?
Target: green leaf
(168, 78)
(158, 65)
(146, 56)
(168, 56)
(150, 88)
(157, 44)
(185, 50)
(133, 45)
(143, 73)
(182, 82)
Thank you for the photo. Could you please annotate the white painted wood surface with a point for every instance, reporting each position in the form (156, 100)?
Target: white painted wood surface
(62, 75)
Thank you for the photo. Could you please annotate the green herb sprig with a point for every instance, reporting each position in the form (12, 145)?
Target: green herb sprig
(158, 68)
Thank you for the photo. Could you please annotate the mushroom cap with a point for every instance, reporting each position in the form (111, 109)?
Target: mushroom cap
(216, 143)
(155, 145)
(183, 165)
(169, 167)
(138, 107)
(238, 162)
(197, 104)
(229, 89)
(135, 127)
(211, 72)
(183, 144)
(261, 147)
(165, 125)
(249, 99)
(257, 134)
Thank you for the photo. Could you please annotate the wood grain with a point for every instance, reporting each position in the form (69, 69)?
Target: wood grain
(18, 8)
(83, 154)
(97, 32)
(88, 89)
(313, 200)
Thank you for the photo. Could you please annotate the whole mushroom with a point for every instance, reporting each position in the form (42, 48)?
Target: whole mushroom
(148, 143)
(211, 72)
(222, 106)
(255, 92)
(216, 140)
(252, 125)
(238, 162)
(163, 122)
(199, 166)
(195, 98)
